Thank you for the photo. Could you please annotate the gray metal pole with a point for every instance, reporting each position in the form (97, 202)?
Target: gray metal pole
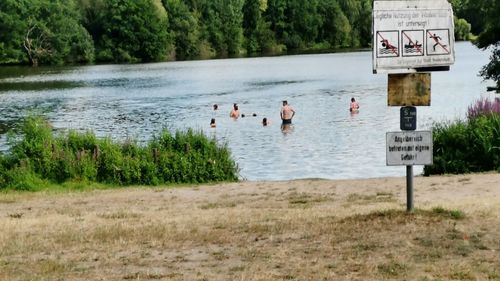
(409, 188)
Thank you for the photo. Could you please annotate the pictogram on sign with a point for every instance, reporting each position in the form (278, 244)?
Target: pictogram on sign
(387, 44)
(413, 41)
(438, 41)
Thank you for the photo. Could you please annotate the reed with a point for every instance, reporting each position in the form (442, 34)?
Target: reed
(38, 158)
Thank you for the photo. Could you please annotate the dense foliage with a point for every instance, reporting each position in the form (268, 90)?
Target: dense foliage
(43, 31)
(484, 18)
(37, 158)
(491, 37)
(468, 146)
(79, 31)
(473, 12)
(128, 31)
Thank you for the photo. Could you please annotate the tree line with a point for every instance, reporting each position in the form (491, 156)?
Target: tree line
(85, 31)
(483, 17)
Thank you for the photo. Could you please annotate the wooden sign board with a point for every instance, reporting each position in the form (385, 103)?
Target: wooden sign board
(413, 89)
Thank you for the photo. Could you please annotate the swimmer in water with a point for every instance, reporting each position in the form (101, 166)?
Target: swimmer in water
(354, 106)
(235, 113)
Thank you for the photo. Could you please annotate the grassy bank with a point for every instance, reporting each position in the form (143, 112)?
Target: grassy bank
(39, 159)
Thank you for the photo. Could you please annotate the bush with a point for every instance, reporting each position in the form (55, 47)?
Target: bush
(21, 177)
(38, 157)
(468, 146)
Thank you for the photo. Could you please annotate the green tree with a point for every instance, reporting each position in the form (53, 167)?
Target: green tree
(258, 34)
(12, 29)
(129, 31)
(352, 10)
(184, 28)
(266, 38)
(251, 18)
(491, 37)
(303, 23)
(473, 12)
(364, 23)
(43, 31)
(275, 14)
(462, 29)
(223, 24)
(336, 28)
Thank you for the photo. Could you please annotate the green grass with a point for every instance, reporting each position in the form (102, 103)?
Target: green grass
(466, 146)
(38, 160)
(454, 214)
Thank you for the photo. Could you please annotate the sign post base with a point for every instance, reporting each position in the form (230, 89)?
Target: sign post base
(409, 188)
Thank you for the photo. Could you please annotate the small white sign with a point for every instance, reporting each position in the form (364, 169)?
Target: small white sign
(409, 148)
(412, 34)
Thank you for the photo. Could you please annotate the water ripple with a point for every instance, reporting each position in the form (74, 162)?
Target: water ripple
(123, 101)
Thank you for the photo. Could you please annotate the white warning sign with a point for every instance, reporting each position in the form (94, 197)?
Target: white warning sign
(412, 35)
(409, 148)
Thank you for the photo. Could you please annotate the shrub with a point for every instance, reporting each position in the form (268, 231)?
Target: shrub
(21, 177)
(467, 146)
(38, 157)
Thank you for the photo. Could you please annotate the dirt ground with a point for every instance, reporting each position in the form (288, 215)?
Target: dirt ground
(287, 230)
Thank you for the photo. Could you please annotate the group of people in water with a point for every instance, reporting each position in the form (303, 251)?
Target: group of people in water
(286, 114)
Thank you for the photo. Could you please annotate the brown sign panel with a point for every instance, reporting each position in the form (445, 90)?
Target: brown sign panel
(412, 89)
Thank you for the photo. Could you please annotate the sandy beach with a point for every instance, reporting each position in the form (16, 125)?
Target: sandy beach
(286, 230)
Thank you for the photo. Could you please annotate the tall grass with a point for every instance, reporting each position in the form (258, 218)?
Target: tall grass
(467, 146)
(38, 157)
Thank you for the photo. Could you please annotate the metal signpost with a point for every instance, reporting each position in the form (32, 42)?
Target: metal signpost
(411, 37)
(409, 148)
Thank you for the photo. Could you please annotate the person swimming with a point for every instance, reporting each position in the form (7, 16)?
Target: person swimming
(253, 114)
(354, 105)
(265, 122)
(212, 123)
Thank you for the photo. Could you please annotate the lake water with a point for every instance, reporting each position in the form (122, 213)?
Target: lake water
(326, 141)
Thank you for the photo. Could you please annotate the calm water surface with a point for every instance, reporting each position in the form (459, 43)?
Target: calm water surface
(326, 141)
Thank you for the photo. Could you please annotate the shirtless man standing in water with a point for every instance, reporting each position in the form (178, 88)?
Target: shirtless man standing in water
(235, 113)
(286, 113)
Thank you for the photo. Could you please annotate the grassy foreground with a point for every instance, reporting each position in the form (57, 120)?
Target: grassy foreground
(295, 230)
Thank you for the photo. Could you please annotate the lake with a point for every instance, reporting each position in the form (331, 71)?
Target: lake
(326, 141)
